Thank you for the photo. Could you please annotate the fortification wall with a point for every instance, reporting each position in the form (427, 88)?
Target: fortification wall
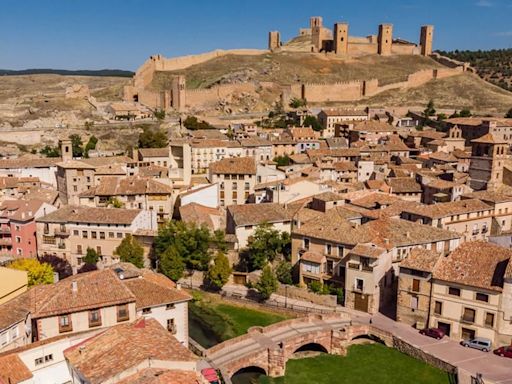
(359, 49)
(333, 92)
(403, 49)
(216, 93)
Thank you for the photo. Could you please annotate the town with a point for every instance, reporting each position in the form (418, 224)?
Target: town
(250, 226)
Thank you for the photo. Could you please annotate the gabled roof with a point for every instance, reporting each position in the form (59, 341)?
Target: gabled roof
(436, 211)
(154, 152)
(404, 185)
(82, 214)
(13, 370)
(254, 214)
(421, 259)
(234, 166)
(132, 185)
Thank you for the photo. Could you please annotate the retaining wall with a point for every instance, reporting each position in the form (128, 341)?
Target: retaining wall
(302, 294)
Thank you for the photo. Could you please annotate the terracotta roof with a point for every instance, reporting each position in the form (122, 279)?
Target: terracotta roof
(200, 214)
(13, 370)
(374, 200)
(374, 126)
(343, 112)
(124, 347)
(234, 166)
(163, 376)
(132, 185)
(20, 210)
(154, 152)
(421, 259)
(29, 163)
(488, 196)
(440, 183)
(149, 293)
(404, 185)
(82, 214)
(253, 214)
(368, 250)
(478, 264)
(451, 208)
(328, 196)
(443, 156)
(313, 257)
(489, 139)
(318, 154)
(14, 311)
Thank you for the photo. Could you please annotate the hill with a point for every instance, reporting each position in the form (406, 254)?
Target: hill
(65, 72)
(494, 65)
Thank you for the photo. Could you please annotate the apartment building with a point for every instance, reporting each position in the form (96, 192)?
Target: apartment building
(69, 231)
(329, 118)
(471, 217)
(236, 178)
(502, 209)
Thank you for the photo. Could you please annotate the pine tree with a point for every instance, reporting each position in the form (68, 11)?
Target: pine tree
(267, 284)
(219, 271)
(131, 251)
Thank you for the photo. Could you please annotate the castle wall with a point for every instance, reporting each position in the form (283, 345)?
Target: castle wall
(404, 49)
(360, 49)
(216, 93)
(333, 92)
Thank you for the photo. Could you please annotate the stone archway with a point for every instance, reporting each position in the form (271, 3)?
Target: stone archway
(311, 347)
(368, 336)
(251, 371)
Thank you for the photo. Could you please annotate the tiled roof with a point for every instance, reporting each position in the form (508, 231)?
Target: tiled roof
(200, 214)
(343, 112)
(368, 250)
(478, 264)
(489, 138)
(163, 376)
(149, 293)
(404, 185)
(132, 185)
(14, 311)
(318, 154)
(313, 257)
(440, 210)
(440, 183)
(154, 152)
(94, 289)
(234, 166)
(374, 200)
(488, 196)
(82, 214)
(29, 163)
(13, 370)
(329, 196)
(124, 347)
(374, 126)
(253, 214)
(421, 259)
(443, 156)
(20, 210)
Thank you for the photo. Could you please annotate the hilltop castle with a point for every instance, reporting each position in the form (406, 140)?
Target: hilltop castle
(338, 42)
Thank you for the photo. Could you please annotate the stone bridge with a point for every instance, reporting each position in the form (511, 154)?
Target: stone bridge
(269, 348)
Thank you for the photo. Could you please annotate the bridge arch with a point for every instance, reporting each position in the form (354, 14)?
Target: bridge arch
(248, 370)
(311, 346)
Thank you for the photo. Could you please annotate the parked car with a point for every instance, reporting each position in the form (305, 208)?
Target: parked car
(505, 351)
(210, 374)
(436, 333)
(480, 343)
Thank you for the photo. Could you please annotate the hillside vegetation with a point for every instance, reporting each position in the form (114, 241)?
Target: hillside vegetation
(494, 65)
(294, 67)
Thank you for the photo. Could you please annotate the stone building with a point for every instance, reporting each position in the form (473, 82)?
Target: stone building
(488, 157)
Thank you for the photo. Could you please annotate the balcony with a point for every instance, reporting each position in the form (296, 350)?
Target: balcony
(5, 231)
(367, 268)
(5, 241)
(353, 266)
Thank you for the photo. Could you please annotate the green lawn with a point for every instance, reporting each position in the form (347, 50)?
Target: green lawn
(368, 363)
(213, 320)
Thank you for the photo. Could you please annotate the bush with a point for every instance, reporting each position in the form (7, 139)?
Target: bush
(465, 112)
(91, 256)
(312, 121)
(152, 138)
(284, 273)
(297, 103)
(193, 123)
(219, 271)
(282, 161)
(267, 284)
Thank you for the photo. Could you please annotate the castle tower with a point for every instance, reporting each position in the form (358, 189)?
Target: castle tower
(385, 39)
(341, 39)
(274, 40)
(315, 21)
(178, 93)
(66, 150)
(316, 24)
(426, 38)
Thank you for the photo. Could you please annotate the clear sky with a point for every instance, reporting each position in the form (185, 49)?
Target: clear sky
(96, 34)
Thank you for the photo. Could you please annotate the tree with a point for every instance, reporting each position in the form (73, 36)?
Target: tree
(282, 161)
(193, 123)
(454, 115)
(219, 271)
(159, 114)
(264, 245)
(171, 264)
(430, 110)
(130, 251)
(190, 241)
(267, 284)
(87, 268)
(152, 138)
(297, 103)
(114, 202)
(284, 272)
(312, 121)
(508, 115)
(91, 256)
(465, 112)
(91, 145)
(58, 264)
(49, 151)
(441, 116)
(76, 145)
(38, 273)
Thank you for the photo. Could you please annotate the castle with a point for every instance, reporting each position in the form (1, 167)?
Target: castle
(339, 43)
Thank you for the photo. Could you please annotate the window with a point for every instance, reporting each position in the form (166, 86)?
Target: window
(84, 234)
(65, 323)
(14, 333)
(454, 291)
(171, 327)
(119, 235)
(79, 249)
(44, 359)
(482, 297)
(39, 361)
(489, 319)
(94, 318)
(145, 311)
(98, 250)
(18, 239)
(340, 250)
(415, 285)
(4, 338)
(414, 302)
(359, 284)
(233, 186)
(111, 235)
(94, 235)
(469, 315)
(102, 235)
(76, 232)
(49, 240)
(306, 243)
(438, 307)
(122, 312)
(328, 249)
(247, 187)
(170, 306)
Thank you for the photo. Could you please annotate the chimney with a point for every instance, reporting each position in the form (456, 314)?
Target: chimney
(178, 286)
(74, 286)
(408, 234)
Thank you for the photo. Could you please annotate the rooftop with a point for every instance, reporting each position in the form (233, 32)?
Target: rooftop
(81, 214)
(253, 214)
(234, 166)
(421, 259)
(436, 211)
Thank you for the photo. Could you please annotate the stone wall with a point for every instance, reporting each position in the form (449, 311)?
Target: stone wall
(303, 294)
(212, 95)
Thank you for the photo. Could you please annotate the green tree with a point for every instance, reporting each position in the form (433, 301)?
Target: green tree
(159, 114)
(152, 138)
(282, 161)
(312, 121)
(465, 112)
(114, 202)
(430, 110)
(193, 123)
(267, 284)
(454, 115)
(38, 273)
(297, 103)
(284, 272)
(219, 241)
(130, 251)
(219, 271)
(441, 116)
(76, 145)
(264, 245)
(171, 264)
(91, 145)
(190, 241)
(49, 151)
(508, 115)
(91, 256)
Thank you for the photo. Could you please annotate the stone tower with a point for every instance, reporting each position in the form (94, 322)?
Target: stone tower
(274, 40)
(66, 150)
(341, 39)
(178, 93)
(426, 37)
(316, 24)
(385, 39)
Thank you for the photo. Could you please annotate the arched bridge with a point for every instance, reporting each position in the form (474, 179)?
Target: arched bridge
(269, 348)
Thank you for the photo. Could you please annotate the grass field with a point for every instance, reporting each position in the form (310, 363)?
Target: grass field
(367, 363)
(213, 320)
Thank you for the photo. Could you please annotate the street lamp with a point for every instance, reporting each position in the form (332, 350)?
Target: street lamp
(286, 296)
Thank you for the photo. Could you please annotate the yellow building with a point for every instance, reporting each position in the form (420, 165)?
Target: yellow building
(14, 283)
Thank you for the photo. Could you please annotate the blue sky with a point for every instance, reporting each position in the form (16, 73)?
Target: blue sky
(95, 34)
